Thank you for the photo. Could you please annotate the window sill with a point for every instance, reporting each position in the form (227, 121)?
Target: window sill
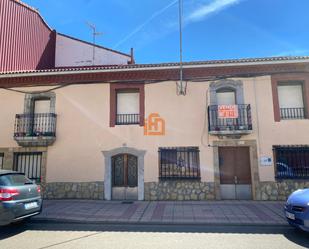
(281, 179)
(162, 179)
(293, 119)
(128, 124)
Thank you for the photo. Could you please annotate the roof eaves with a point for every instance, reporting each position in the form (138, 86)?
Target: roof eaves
(161, 66)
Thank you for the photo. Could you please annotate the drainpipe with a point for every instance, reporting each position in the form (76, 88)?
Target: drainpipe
(257, 117)
(258, 134)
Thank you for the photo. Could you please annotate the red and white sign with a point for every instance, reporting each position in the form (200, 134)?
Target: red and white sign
(227, 111)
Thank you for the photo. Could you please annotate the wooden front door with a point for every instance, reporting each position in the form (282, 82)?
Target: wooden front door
(235, 173)
(124, 177)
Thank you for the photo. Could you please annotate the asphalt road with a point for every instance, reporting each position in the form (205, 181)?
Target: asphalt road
(36, 235)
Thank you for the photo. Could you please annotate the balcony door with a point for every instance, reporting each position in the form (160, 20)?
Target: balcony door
(124, 177)
(42, 106)
(40, 116)
(235, 173)
(226, 97)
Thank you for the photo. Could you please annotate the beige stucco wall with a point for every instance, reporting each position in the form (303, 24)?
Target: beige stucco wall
(83, 127)
(83, 130)
(285, 132)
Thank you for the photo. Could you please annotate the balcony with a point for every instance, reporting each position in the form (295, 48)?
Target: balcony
(292, 113)
(127, 119)
(241, 124)
(35, 129)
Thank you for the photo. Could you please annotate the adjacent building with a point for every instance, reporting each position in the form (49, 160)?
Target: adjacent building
(28, 43)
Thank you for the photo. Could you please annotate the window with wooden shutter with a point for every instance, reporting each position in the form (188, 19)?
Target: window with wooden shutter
(291, 102)
(128, 107)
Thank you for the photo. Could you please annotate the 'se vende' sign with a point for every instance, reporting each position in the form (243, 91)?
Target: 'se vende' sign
(227, 111)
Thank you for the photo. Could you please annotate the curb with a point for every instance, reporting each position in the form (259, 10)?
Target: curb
(155, 223)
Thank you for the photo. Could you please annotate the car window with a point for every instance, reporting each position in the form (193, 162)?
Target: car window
(14, 180)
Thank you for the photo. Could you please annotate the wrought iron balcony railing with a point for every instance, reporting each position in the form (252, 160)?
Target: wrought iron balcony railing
(292, 113)
(35, 125)
(240, 123)
(126, 119)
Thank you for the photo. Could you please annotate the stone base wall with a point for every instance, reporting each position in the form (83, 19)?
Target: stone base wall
(280, 190)
(179, 190)
(74, 190)
(170, 190)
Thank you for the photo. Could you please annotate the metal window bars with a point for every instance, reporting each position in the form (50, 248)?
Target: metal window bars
(179, 163)
(291, 162)
(29, 163)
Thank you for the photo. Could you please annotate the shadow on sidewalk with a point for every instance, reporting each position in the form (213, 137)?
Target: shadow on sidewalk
(294, 235)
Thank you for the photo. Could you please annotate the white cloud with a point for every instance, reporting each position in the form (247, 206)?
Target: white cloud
(194, 11)
(144, 24)
(207, 9)
(293, 52)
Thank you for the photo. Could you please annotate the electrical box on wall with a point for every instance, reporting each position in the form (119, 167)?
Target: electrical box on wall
(266, 161)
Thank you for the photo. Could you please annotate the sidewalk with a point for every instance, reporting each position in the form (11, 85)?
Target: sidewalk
(144, 212)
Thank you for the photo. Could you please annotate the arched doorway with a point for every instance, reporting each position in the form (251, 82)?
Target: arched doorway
(124, 177)
(116, 156)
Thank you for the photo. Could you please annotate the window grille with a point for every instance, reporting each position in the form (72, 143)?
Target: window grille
(179, 163)
(29, 163)
(291, 162)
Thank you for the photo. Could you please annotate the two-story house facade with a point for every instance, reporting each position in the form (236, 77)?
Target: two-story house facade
(234, 129)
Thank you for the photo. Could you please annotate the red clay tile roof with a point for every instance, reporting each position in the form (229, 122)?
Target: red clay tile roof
(265, 60)
(147, 73)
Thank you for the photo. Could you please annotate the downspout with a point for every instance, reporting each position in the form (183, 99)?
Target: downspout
(258, 133)
(257, 117)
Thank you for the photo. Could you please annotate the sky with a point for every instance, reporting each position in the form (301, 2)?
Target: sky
(212, 29)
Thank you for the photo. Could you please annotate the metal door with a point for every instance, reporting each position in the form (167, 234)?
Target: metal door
(124, 177)
(235, 173)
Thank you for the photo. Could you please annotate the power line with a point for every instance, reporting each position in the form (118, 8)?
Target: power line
(181, 86)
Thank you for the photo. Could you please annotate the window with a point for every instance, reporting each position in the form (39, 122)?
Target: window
(179, 163)
(40, 103)
(291, 101)
(291, 162)
(28, 163)
(127, 104)
(1, 160)
(127, 107)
